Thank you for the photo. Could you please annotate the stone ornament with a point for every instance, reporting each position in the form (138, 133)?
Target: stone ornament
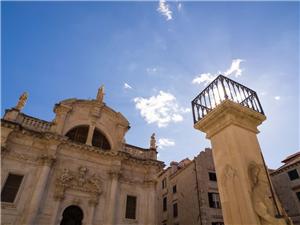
(262, 203)
(22, 101)
(153, 141)
(80, 181)
(100, 94)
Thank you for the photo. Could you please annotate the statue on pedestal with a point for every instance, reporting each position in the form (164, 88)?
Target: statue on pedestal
(22, 101)
(153, 142)
(100, 94)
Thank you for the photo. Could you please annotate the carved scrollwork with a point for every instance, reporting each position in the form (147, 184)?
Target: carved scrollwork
(80, 181)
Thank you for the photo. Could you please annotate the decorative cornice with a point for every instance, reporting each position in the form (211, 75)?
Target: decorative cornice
(121, 155)
(285, 168)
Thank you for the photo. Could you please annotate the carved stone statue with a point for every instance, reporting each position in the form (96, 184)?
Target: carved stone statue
(100, 94)
(262, 202)
(22, 101)
(153, 141)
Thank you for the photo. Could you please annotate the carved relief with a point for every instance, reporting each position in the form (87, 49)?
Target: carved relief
(78, 180)
(262, 203)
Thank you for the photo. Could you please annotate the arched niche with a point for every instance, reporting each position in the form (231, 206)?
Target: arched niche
(72, 215)
(78, 133)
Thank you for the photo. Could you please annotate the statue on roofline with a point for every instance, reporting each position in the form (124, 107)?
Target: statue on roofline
(22, 101)
(153, 141)
(100, 94)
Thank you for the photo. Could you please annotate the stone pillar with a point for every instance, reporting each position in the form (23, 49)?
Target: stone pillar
(90, 134)
(151, 203)
(33, 207)
(242, 179)
(91, 212)
(113, 197)
(61, 114)
(56, 210)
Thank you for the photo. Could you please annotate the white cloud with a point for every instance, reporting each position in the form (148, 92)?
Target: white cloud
(161, 109)
(205, 78)
(164, 9)
(234, 70)
(127, 86)
(165, 142)
(277, 98)
(151, 70)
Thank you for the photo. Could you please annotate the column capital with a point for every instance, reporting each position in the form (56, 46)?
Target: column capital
(46, 160)
(115, 174)
(229, 113)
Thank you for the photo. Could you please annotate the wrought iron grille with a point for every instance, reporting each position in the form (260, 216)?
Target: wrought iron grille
(220, 89)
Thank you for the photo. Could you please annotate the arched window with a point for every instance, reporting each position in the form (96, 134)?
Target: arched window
(78, 134)
(99, 140)
(72, 215)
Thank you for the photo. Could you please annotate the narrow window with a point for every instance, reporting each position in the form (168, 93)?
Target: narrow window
(212, 176)
(214, 200)
(175, 210)
(164, 183)
(11, 187)
(174, 189)
(165, 204)
(293, 174)
(130, 207)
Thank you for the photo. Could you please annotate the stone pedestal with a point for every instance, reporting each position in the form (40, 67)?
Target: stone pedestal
(242, 178)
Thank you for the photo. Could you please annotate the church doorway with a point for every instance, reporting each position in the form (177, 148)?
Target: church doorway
(72, 215)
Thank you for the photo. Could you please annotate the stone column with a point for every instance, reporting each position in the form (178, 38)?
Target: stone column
(56, 210)
(113, 197)
(91, 212)
(242, 178)
(151, 203)
(60, 117)
(34, 204)
(90, 134)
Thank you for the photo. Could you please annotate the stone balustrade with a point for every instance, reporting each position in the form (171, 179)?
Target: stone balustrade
(34, 123)
(138, 152)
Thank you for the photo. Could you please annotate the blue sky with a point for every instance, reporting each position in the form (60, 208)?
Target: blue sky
(147, 54)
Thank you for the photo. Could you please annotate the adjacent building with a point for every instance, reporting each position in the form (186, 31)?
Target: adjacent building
(286, 181)
(76, 169)
(187, 193)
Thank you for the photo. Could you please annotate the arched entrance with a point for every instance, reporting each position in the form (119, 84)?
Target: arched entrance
(72, 215)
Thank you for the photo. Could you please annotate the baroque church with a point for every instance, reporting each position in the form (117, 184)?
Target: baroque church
(77, 169)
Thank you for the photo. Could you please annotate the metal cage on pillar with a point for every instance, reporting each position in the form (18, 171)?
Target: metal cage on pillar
(220, 89)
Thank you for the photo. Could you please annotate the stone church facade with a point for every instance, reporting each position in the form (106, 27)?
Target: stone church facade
(77, 169)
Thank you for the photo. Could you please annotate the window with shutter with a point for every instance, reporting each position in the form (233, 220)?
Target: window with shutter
(130, 207)
(11, 187)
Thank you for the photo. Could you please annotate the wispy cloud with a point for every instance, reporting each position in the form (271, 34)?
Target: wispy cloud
(151, 70)
(165, 142)
(164, 9)
(161, 109)
(233, 70)
(127, 86)
(205, 78)
(277, 98)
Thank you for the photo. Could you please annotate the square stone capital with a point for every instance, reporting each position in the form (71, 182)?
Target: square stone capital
(229, 113)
